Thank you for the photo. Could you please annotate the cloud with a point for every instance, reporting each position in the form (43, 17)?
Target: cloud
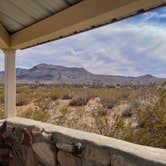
(1, 60)
(132, 47)
(154, 15)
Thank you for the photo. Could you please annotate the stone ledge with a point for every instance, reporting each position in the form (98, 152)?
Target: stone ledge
(121, 150)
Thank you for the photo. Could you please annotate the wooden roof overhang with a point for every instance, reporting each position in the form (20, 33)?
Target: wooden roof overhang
(73, 17)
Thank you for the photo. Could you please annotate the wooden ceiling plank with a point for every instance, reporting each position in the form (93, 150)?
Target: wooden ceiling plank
(77, 18)
(4, 38)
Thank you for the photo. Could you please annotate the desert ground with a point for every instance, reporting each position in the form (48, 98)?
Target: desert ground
(134, 113)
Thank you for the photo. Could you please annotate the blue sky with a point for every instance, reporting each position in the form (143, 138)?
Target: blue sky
(132, 47)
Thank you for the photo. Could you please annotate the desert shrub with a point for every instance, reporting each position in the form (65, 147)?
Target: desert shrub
(107, 103)
(1, 97)
(79, 101)
(101, 111)
(101, 121)
(1, 113)
(43, 103)
(127, 113)
(22, 99)
(66, 96)
(63, 110)
(27, 114)
(62, 118)
(41, 115)
(102, 125)
(143, 122)
(151, 120)
(1, 94)
(54, 95)
(41, 93)
(118, 129)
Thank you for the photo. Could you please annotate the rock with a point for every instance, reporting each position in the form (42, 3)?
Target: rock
(7, 132)
(117, 160)
(44, 153)
(17, 133)
(65, 147)
(4, 156)
(76, 149)
(46, 136)
(36, 132)
(12, 162)
(96, 156)
(3, 128)
(27, 139)
(39, 135)
(67, 159)
(30, 158)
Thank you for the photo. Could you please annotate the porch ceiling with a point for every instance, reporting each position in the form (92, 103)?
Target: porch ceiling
(28, 23)
(15, 15)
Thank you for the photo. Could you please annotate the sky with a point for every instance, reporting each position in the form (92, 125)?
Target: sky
(131, 47)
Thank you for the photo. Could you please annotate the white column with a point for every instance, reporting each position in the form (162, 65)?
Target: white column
(10, 83)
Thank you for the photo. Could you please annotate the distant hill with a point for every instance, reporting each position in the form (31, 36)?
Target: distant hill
(45, 73)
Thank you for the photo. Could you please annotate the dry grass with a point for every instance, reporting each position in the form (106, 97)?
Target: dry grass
(136, 114)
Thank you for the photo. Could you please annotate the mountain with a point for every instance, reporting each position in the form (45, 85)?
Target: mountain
(45, 73)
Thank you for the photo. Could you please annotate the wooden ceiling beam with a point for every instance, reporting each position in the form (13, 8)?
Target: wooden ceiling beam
(4, 38)
(80, 17)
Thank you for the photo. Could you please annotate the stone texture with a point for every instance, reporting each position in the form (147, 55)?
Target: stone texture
(4, 155)
(65, 147)
(45, 154)
(117, 160)
(71, 148)
(96, 148)
(36, 132)
(27, 138)
(12, 162)
(96, 156)
(67, 159)
(31, 159)
(39, 135)
(20, 149)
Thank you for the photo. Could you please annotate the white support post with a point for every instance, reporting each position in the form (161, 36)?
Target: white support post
(10, 83)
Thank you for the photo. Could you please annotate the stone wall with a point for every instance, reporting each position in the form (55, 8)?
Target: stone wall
(32, 143)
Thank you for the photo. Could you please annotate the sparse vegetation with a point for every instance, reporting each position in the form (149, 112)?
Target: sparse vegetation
(135, 114)
(79, 101)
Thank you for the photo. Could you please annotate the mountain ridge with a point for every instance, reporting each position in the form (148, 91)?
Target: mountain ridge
(48, 73)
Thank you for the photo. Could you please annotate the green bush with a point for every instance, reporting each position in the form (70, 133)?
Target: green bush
(151, 119)
(41, 115)
(79, 101)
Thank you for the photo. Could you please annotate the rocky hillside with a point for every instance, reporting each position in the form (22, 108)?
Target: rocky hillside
(45, 73)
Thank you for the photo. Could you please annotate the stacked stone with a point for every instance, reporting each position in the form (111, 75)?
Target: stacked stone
(32, 146)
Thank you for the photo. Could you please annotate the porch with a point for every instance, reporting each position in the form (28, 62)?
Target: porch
(21, 27)
(29, 142)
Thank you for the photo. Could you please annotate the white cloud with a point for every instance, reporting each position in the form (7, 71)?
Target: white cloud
(124, 48)
(1, 60)
(109, 49)
(152, 15)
